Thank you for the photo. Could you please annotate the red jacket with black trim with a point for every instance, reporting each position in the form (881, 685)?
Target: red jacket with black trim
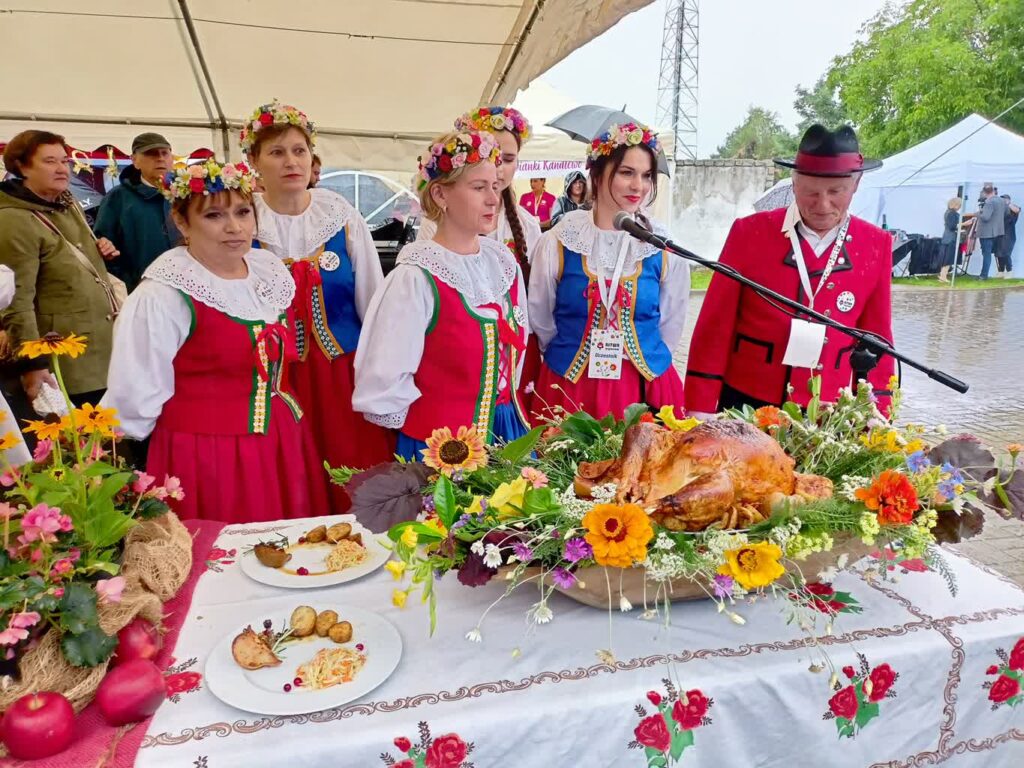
(740, 339)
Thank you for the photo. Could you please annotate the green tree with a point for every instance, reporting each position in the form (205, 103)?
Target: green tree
(818, 105)
(759, 137)
(923, 65)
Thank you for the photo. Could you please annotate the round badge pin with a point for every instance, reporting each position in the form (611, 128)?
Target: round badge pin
(263, 290)
(329, 261)
(845, 301)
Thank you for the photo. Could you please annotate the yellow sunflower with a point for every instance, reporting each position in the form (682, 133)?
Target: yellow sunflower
(91, 418)
(9, 440)
(447, 453)
(667, 416)
(618, 534)
(47, 430)
(53, 343)
(753, 565)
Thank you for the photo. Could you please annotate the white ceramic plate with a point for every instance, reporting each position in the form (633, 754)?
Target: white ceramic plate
(262, 690)
(312, 557)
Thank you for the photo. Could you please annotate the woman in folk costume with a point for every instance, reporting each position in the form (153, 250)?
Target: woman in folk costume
(336, 268)
(459, 301)
(200, 362)
(608, 309)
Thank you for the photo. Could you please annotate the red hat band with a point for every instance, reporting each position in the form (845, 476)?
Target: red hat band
(844, 162)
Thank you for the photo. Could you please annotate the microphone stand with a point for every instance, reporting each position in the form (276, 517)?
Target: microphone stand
(868, 346)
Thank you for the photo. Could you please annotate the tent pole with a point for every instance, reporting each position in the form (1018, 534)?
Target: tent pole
(186, 16)
(959, 226)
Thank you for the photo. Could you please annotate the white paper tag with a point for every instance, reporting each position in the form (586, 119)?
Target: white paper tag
(605, 354)
(805, 343)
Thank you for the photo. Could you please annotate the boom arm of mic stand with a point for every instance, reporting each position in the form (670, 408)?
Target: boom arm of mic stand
(871, 341)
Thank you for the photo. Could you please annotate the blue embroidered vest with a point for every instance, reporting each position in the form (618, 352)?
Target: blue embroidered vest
(578, 310)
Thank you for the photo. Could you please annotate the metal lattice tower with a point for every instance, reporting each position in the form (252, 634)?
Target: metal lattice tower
(677, 83)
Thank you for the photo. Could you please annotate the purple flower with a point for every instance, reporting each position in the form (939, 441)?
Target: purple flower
(463, 519)
(947, 489)
(428, 503)
(918, 462)
(522, 552)
(577, 549)
(955, 474)
(562, 578)
(723, 586)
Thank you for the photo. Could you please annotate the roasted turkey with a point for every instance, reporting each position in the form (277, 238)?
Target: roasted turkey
(721, 472)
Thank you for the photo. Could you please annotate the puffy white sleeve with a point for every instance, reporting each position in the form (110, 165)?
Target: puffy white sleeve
(6, 286)
(365, 263)
(427, 229)
(531, 231)
(391, 347)
(152, 326)
(545, 266)
(674, 299)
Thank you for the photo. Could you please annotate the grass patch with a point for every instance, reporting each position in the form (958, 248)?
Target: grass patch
(963, 283)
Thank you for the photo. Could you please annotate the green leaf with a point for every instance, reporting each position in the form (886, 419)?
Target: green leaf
(341, 475)
(845, 727)
(539, 501)
(150, 508)
(866, 712)
(444, 501)
(110, 487)
(87, 648)
(583, 428)
(655, 759)
(634, 413)
(105, 526)
(522, 447)
(78, 608)
(681, 741)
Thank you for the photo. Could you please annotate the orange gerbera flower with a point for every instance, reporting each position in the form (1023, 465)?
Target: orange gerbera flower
(618, 534)
(447, 453)
(891, 495)
(768, 416)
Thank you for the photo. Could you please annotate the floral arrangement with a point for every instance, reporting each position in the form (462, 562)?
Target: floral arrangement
(447, 751)
(1008, 686)
(455, 151)
(514, 510)
(496, 119)
(666, 733)
(626, 135)
(274, 113)
(64, 515)
(857, 700)
(207, 178)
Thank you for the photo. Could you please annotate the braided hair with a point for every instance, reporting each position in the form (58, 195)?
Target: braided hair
(518, 236)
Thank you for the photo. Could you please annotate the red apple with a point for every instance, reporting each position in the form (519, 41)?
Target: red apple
(139, 639)
(130, 692)
(38, 725)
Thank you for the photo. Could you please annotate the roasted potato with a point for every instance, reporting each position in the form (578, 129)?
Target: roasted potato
(340, 632)
(324, 621)
(271, 555)
(338, 531)
(357, 538)
(317, 535)
(303, 621)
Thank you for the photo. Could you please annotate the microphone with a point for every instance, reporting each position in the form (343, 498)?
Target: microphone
(624, 222)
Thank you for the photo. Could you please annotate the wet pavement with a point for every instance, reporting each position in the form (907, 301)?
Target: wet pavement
(975, 336)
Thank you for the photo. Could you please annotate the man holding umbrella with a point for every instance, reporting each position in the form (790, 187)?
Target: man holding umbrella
(746, 351)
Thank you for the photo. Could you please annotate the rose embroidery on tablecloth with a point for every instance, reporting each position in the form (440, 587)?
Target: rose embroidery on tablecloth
(894, 560)
(447, 751)
(1007, 687)
(179, 679)
(217, 558)
(824, 599)
(664, 734)
(858, 702)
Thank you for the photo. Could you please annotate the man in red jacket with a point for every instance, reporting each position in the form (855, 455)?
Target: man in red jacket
(746, 351)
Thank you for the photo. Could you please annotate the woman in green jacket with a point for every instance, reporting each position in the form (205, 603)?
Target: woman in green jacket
(61, 283)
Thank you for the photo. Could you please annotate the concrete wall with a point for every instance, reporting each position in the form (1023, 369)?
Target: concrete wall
(708, 195)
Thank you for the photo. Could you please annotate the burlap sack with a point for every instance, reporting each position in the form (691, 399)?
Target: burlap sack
(157, 561)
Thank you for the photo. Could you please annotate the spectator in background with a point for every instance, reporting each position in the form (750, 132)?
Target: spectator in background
(1009, 237)
(62, 282)
(991, 223)
(135, 216)
(951, 223)
(539, 202)
(574, 197)
(314, 171)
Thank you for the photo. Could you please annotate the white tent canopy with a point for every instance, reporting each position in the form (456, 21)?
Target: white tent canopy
(379, 77)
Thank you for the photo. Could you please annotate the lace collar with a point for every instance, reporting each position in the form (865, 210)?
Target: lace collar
(300, 235)
(483, 278)
(269, 281)
(577, 232)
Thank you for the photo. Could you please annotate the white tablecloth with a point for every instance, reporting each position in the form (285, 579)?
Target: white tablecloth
(539, 696)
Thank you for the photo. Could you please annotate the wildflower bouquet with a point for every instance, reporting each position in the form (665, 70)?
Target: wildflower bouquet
(514, 510)
(64, 516)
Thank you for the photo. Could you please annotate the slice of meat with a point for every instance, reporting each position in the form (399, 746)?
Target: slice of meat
(699, 504)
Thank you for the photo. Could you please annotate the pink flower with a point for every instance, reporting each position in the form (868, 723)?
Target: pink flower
(10, 477)
(42, 523)
(35, 555)
(7, 511)
(12, 636)
(197, 171)
(535, 477)
(172, 486)
(74, 554)
(61, 567)
(109, 590)
(97, 452)
(142, 483)
(24, 620)
(58, 592)
(43, 450)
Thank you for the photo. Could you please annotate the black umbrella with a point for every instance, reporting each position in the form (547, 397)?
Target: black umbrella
(587, 122)
(85, 194)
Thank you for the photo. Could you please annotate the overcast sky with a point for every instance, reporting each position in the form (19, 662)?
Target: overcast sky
(752, 52)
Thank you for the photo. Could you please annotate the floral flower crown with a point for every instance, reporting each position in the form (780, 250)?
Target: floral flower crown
(461, 149)
(625, 135)
(495, 119)
(206, 178)
(274, 113)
